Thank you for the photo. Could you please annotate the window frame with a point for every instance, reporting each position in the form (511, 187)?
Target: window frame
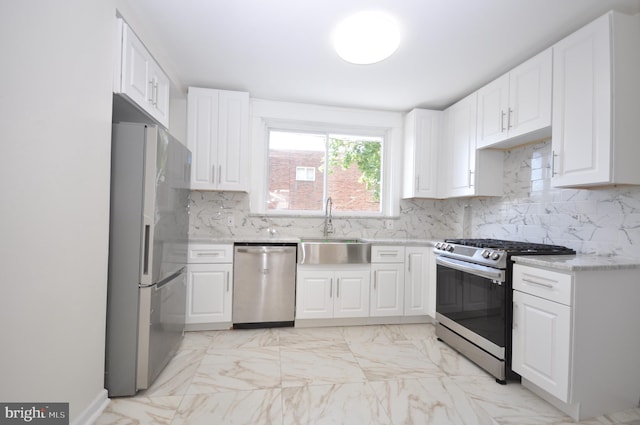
(269, 115)
(324, 131)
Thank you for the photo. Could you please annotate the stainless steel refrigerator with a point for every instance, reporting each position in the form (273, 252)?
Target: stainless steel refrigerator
(146, 292)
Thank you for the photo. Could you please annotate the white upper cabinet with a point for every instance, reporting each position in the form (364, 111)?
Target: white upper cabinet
(218, 137)
(516, 108)
(596, 99)
(467, 172)
(139, 77)
(421, 138)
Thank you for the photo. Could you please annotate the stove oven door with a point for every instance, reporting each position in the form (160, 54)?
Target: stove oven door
(471, 301)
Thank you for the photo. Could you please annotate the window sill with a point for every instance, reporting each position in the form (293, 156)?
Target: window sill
(322, 216)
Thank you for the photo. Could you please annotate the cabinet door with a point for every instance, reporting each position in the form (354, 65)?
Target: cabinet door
(582, 106)
(209, 293)
(233, 141)
(314, 294)
(202, 137)
(351, 293)
(541, 343)
(218, 137)
(530, 96)
(136, 60)
(416, 288)
(422, 130)
(142, 79)
(387, 289)
(461, 147)
(493, 110)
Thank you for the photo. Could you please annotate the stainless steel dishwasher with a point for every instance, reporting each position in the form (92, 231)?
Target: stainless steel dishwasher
(264, 285)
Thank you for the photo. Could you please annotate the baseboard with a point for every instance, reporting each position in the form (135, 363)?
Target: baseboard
(362, 321)
(94, 410)
(221, 326)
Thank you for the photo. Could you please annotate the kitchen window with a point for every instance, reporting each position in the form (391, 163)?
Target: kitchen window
(305, 125)
(307, 167)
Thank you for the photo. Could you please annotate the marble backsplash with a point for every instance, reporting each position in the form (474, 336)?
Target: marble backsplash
(603, 221)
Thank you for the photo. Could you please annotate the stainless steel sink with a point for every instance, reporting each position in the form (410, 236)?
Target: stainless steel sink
(333, 251)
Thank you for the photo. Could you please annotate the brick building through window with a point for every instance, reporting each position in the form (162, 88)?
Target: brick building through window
(287, 192)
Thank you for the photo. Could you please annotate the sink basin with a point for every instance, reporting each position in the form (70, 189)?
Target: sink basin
(333, 251)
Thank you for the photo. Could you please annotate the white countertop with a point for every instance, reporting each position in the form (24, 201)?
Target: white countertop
(577, 262)
(292, 239)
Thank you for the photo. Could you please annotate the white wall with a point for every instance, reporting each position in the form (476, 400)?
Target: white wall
(55, 116)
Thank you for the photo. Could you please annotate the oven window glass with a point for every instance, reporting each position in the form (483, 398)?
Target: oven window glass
(472, 301)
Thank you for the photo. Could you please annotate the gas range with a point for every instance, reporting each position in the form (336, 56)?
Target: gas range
(474, 302)
(494, 252)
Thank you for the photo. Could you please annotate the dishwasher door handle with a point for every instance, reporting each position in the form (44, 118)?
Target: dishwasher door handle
(268, 250)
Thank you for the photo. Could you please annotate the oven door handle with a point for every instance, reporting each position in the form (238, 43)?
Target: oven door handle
(474, 269)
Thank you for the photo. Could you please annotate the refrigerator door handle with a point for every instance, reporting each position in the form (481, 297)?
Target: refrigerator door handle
(147, 261)
(170, 278)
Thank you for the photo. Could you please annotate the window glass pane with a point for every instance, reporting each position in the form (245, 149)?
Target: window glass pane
(306, 168)
(305, 174)
(288, 153)
(354, 178)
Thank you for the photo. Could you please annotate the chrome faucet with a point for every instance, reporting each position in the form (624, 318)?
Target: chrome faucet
(328, 224)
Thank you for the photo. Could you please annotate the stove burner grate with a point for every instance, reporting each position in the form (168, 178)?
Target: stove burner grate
(511, 246)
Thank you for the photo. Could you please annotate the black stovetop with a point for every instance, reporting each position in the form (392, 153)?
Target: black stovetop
(513, 246)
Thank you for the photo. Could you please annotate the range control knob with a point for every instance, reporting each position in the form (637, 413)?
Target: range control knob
(438, 245)
(486, 253)
(450, 248)
(495, 255)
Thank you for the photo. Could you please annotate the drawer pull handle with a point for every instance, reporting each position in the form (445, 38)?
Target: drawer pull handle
(546, 285)
(208, 254)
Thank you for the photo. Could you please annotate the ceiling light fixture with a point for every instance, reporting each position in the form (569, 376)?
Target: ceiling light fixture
(366, 38)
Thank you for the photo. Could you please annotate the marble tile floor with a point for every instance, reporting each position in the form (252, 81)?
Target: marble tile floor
(392, 374)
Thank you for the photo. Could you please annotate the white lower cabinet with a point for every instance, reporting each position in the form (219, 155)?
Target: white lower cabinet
(394, 288)
(575, 337)
(541, 341)
(209, 293)
(387, 289)
(209, 286)
(331, 291)
(416, 281)
(387, 280)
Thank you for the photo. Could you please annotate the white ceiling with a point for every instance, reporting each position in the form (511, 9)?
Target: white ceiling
(281, 49)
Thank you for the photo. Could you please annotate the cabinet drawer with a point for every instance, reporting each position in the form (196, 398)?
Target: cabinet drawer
(387, 254)
(209, 253)
(547, 284)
